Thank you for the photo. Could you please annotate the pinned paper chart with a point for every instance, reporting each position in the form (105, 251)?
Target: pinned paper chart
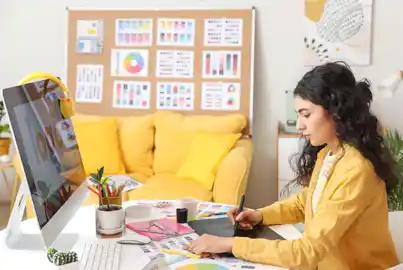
(129, 63)
(89, 36)
(223, 32)
(89, 83)
(221, 64)
(175, 96)
(177, 64)
(131, 94)
(176, 32)
(133, 32)
(221, 96)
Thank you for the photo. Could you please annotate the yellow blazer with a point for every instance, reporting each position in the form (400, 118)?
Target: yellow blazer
(349, 230)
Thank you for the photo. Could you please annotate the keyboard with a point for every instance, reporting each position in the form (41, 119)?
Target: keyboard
(100, 256)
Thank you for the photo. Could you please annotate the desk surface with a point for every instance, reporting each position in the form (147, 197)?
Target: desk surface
(84, 224)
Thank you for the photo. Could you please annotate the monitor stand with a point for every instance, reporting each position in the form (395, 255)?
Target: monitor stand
(17, 239)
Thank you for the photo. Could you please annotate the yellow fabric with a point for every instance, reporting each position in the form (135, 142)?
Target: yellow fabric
(174, 133)
(206, 153)
(136, 140)
(98, 142)
(349, 230)
(170, 187)
(232, 175)
(136, 135)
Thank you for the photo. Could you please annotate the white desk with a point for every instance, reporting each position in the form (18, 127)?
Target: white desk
(84, 224)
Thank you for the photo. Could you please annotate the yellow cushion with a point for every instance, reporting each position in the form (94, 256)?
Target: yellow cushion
(170, 187)
(174, 133)
(207, 152)
(136, 139)
(136, 135)
(98, 142)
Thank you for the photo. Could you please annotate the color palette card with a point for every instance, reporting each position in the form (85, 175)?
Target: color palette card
(131, 95)
(176, 32)
(222, 64)
(175, 96)
(221, 96)
(134, 32)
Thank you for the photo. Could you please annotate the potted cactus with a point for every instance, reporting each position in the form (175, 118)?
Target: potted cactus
(110, 213)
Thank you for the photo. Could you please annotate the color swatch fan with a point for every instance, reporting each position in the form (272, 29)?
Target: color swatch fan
(202, 266)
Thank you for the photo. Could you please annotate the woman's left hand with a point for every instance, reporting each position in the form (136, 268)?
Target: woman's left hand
(211, 244)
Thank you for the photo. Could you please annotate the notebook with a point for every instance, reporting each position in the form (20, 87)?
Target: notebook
(159, 229)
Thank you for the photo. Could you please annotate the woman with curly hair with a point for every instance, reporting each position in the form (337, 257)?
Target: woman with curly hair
(345, 170)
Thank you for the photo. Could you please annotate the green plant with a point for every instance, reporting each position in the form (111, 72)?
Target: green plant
(3, 127)
(101, 185)
(394, 141)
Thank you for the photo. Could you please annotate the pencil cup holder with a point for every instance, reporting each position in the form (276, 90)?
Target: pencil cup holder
(111, 200)
(110, 216)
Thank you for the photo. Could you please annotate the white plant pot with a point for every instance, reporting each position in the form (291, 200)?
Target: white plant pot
(396, 229)
(110, 220)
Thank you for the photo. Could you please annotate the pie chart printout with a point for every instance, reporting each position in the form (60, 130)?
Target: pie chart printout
(129, 63)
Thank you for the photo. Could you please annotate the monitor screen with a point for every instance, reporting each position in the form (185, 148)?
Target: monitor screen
(47, 145)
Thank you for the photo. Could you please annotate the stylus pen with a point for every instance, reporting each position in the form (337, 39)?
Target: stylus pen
(240, 209)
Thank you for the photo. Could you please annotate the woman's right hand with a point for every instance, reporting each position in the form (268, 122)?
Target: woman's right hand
(246, 219)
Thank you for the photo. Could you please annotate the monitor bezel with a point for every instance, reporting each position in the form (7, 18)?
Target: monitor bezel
(14, 96)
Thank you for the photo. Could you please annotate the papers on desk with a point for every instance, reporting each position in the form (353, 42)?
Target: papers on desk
(123, 179)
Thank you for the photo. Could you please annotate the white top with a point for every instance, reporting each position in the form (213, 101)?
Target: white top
(322, 179)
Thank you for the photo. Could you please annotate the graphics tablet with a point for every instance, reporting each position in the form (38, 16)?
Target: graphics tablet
(223, 227)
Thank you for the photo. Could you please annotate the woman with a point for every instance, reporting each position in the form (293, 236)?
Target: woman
(345, 169)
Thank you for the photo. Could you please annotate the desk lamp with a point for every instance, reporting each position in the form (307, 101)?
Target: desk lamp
(391, 84)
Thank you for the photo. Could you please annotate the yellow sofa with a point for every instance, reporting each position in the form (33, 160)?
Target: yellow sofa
(153, 149)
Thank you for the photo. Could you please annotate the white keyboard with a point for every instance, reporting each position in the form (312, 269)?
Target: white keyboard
(100, 256)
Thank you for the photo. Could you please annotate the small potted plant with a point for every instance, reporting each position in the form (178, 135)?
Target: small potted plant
(110, 213)
(5, 139)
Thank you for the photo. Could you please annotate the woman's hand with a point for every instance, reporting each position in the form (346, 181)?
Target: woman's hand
(210, 244)
(247, 219)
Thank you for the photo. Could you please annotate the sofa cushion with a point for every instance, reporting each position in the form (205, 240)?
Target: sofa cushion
(136, 134)
(98, 142)
(206, 153)
(174, 133)
(136, 140)
(170, 187)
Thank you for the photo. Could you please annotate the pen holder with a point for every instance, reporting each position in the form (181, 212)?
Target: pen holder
(117, 200)
(110, 216)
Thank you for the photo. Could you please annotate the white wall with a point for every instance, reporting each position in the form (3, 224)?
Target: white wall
(278, 59)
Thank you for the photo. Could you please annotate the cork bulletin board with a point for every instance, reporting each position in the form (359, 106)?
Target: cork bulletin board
(134, 62)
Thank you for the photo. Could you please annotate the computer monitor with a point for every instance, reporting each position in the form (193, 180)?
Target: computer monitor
(53, 174)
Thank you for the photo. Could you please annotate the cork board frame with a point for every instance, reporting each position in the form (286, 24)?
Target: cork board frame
(108, 16)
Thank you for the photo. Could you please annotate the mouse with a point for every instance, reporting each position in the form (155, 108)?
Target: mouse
(134, 239)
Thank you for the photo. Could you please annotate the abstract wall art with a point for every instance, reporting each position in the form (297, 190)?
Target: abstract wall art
(337, 30)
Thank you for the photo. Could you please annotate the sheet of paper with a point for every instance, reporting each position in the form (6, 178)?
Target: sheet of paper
(175, 243)
(89, 36)
(131, 94)
(172, 63)
(176, 32)
(221, 64)
(129, 63)
(175, 96)
(134, 32)
(221, 96)
(223, 32)
(89, 83)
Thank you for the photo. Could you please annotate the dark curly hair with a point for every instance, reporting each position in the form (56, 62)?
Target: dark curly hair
(334, 87)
